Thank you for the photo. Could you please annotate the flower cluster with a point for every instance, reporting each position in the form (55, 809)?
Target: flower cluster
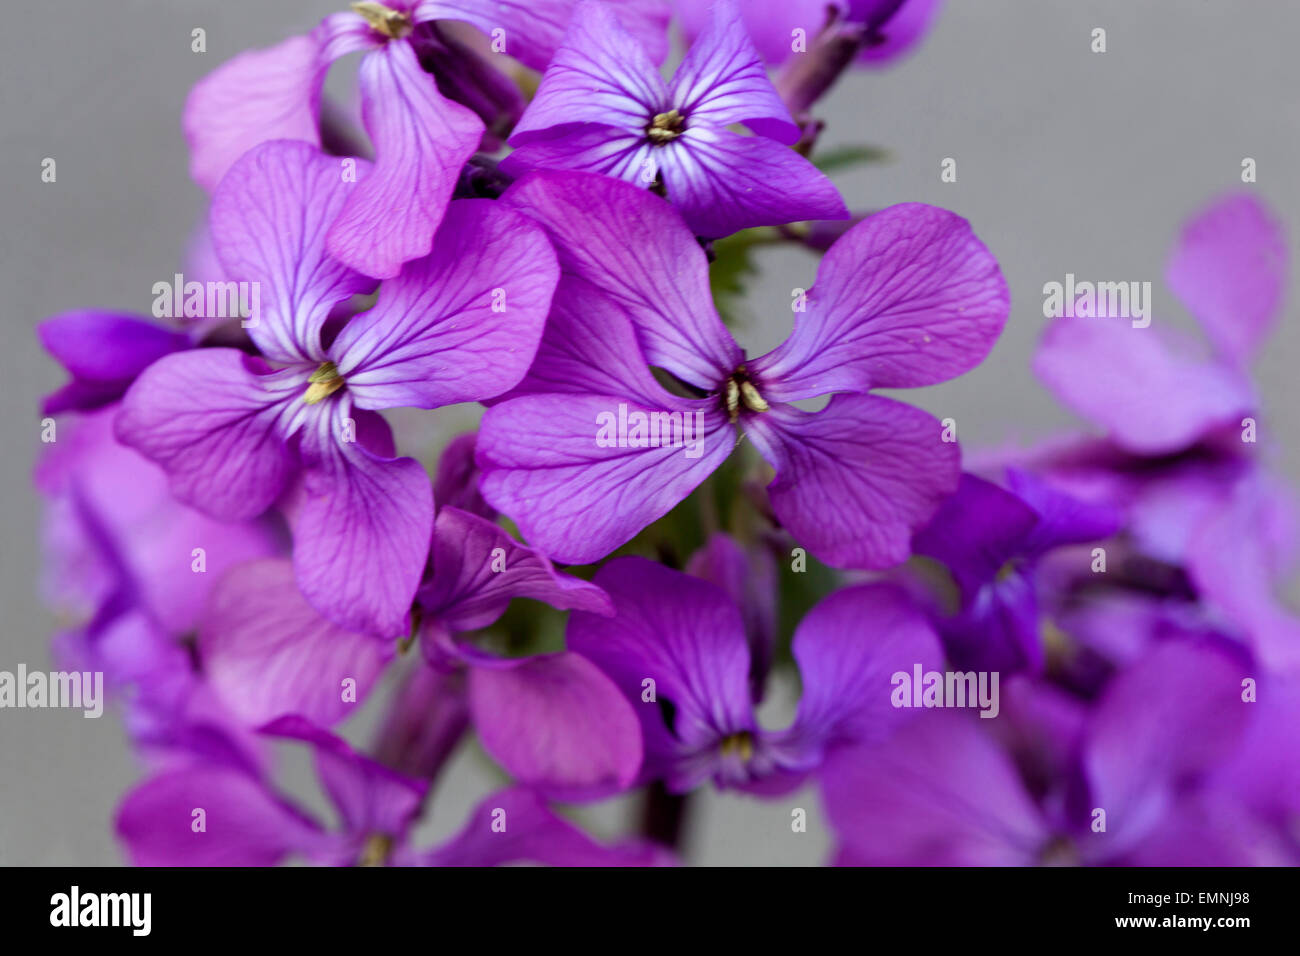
(1073, 651)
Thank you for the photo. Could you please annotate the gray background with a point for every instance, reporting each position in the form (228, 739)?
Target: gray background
(1068, 161)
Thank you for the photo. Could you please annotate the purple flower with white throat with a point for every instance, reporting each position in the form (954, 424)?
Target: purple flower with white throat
(908, 297)
(236, 432)
(421, 137)
(603, 107)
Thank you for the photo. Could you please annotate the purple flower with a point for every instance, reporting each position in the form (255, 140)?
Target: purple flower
(603, 107)
(906, 298)
(676, 646)
(1163, 754)
(554, 721)
(235, 432)
(992, 539)
(247, 822)
(421, 138)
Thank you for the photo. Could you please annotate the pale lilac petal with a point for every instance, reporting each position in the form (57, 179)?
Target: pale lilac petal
(426, 718)
(633, 246)
(854, 480)
(556, 723)
(908, 297)
(516, 825)
(723, 182)
(939, 792)
(600, 75)
(421, 142)
(722, 81)
(478, 568)
(1229, 268)
(573, 498)
(258, 96)
(244, 824)
(1108, 372)
(371, 798)
(459, 325)
(770, 23)
(269, 220)
(268, 653)
(848, 648)
(209, 418)
(361, 535)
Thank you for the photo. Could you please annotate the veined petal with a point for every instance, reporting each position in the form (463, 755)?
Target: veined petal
(854, 480)
(634, 247)
(421, 142)
(553, 464)
(269, 218)
(588, 147)
(210, 418)
(461, 324)
(722, 81)
(361, 533)
(600, 75)
(908, 297)
(478, 568)
(556, 723)
(104, 352)
(268, 653)
(723, 182)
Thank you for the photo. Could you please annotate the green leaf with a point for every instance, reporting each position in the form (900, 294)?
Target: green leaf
(845, 157)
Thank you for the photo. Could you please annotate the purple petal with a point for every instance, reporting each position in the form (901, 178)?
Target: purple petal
(259, 95)
(1229, 269)
(1062, 518)
(460, 325)
(1175, 713)
(906, 24)
(908, 297)
(1107, 371)
(939, 792)
(244, 823)
(684, 635)
(371, 798)
(515, 824)
(722, 81)
(478, 568)
(558, 724)
(425, 721)
(848, 648)
(571, 497)
(854, 480)
(104, 352)
(269, 219)
(209, 419)
(723, 182)
(771, 23)
(536, 29)
(632, 246)
(749, 577)
(268, 653)
(362, 533)
(455, 484)
(592, 148)
(421, 142)
(600, 75)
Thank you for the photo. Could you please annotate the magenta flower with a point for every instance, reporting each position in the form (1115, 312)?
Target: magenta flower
(908, 297)
(603, 107)
(248, 822)
(421, 138)
(676, 646)
(234, 432)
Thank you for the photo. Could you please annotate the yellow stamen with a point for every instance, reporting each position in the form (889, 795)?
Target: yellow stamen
(753, 401)
(324, 382)
(665, 127)
(376, 849)
(391, 23)
(741, 744)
